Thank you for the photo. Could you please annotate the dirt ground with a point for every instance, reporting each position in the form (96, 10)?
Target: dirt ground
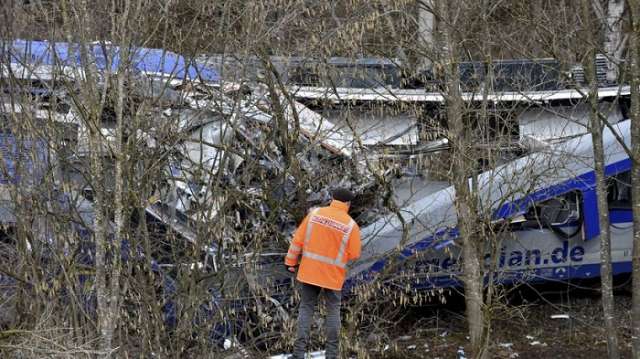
(535, 324)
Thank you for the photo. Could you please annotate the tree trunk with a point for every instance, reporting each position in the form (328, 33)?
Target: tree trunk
(595, 127)
(426, 26)
(634, 73)
(462, 166)
(121, 27)
(606, 276)
(100, 237)
(467, 219)
(614, 42)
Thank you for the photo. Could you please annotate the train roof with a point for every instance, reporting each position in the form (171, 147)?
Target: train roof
(394, 95)
(39, 58)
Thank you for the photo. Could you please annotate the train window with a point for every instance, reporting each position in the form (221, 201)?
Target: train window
(556, 211)
(559, 211)
(560, 214)
(619, 191)
(304, 76)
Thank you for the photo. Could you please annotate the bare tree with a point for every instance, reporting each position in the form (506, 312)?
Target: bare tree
(595, 128)
(634, 80)
(614, 39)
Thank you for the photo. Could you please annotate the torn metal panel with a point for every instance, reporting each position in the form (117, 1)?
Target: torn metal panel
(319, 129)
(396, 131)
(546, 124)
(377, 126)
(310, 123)
(204, 145)
(162, 214)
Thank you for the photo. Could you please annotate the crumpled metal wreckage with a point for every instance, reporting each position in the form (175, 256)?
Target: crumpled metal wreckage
(227, 144)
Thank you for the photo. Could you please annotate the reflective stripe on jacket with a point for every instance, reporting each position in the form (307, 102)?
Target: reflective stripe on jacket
(328, 238)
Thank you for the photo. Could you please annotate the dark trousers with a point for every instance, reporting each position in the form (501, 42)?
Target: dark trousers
(309, 298)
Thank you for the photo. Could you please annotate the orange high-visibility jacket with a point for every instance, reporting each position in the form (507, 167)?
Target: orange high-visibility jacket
(328, 238)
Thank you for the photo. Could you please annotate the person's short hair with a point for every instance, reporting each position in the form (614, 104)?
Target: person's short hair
(342, 194)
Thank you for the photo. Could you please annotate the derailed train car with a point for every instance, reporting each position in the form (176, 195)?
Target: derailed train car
(200, 163)
(37, 78)
(545, 205)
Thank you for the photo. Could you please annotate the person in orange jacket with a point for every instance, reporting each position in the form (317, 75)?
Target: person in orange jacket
(327, 239)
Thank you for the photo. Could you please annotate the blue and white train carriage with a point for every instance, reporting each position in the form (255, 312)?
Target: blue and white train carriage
(546, 204)
(546, 200)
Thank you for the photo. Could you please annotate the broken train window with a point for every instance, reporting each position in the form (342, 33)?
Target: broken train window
(560, 214)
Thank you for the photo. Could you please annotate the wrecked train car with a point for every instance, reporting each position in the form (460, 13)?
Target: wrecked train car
(221, 184)
(545, 206)
(547, 121)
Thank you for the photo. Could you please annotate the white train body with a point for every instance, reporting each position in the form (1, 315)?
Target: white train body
(547, 203)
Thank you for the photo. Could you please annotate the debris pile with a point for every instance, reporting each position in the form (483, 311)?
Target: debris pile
(232, 172)
(232, 160)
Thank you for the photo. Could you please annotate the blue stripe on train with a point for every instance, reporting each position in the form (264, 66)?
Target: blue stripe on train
(507, 277)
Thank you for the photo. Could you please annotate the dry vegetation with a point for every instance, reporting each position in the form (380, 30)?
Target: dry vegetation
(86, 271)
